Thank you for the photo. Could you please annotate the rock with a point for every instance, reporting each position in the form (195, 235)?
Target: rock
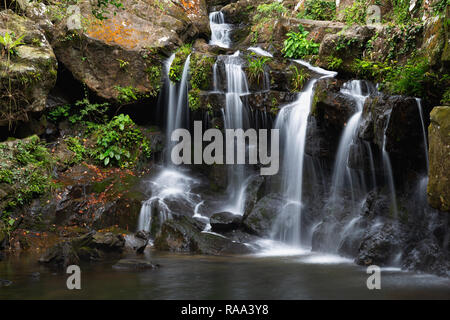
(269, 101)
(253, 192)
(35, 276)
(427, 256)
(224, 221)
(439, 156)
(135, 264)
(380, 245)
(30, 73)
(92, 246)
(331, 110)
(126, 50)
(184, 234)
(60, 256)
(260, 220)
(5, 283)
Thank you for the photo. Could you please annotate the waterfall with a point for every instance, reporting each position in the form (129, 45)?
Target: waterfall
(425, 144)
(342, 174)
(220, 31)
(292, 123)
(388, 170)
(177, 104)
(170, 183)
(236, 116)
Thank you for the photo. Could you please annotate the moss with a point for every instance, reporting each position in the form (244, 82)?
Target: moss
(194, 99)
(154, 77)
(201, 69)
(176, 68)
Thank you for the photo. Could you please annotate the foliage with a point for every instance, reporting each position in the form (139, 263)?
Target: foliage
(126, 94)
(201, 72)
(10, 44)
(371, 70)
(100, 9)
(74, 145)
(26, 166)
(334, 63)
(120, 142)
(82, 112)
(271, 10)
(194, 99)
(318, 10)
(446, 97)
(154, 76)
(298, 78)
(256, 66)
(123, 64)
(356, 13)
(176, 68)
(297, 45)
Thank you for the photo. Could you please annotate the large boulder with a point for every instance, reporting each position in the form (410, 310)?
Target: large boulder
(439, 156)
(184, 234)
(260, 220)
(27, 72)
(120, 57)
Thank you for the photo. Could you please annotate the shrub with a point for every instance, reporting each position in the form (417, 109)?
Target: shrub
(120, 142)
(356, 13)
(194, 99)
(256, 65)
(271, 10)
(298, 78)
(318, 10)
(297, 45)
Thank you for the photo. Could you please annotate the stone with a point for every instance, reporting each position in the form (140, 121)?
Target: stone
(135, 264)
(260, 220)
(224, 221)
(438, 189)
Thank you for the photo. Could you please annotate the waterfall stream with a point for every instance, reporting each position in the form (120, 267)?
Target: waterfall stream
(220, 31)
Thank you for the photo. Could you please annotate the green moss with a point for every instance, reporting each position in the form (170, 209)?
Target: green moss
(201, 71)
(194, 99)
(318, 10)
(154, 76)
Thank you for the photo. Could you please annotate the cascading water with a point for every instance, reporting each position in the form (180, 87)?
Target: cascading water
(292, 122)
(220, 31)
(342, 174)
(170, 183)
(388, 170)
(236, 116)
(425, 144)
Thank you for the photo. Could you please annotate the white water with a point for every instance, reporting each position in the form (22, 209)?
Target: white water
(236, 116)
(260, 51)
(220, 31)
(292, 123)
(425, 144)
(342, 174)
(388, 171)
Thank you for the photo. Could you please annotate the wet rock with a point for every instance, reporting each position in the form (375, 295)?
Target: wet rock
(260, 220)
(380, 245)
(184, 234)
(92, 246)
(135, 264)
(253, 192)
(224, 221)
(30, 73)
(269, 101)
(439, 155)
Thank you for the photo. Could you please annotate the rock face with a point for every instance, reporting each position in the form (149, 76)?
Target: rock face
(184, 234)
(126, 50)
(260, 220)
(135, 264)
(89, 247)
(439, 156)
(27, 72)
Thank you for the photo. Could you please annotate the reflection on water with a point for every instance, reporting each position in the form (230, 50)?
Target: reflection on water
(302, 276)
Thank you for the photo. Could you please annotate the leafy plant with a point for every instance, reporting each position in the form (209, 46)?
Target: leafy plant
(176, 68)
(123, 64)
(74, 145)
(120, 142)
(126, 94)
(10, 44)
(99, 10)
(194, 99)
(201, 72)
(334, 63)
(256, 66)
(270, 10)
(318, 10)
(356, 13)
(298, 78)
(297, 45)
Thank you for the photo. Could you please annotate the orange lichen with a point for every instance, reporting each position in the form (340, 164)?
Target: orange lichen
(113, 31)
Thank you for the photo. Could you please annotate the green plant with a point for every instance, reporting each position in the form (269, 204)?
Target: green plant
(298, 78)
(154, 76)
(271, 10)
(318, 10)
(297, 45)
(370, 69)
(10, 44)
(201, 71)
(126, 94)
(120, 142)
(123, 64)
(256, 65)
(99, 10)
(356, 13)
(446, 98)
(334, 63)
(74, 145)
(194, 99)
(176, 68)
